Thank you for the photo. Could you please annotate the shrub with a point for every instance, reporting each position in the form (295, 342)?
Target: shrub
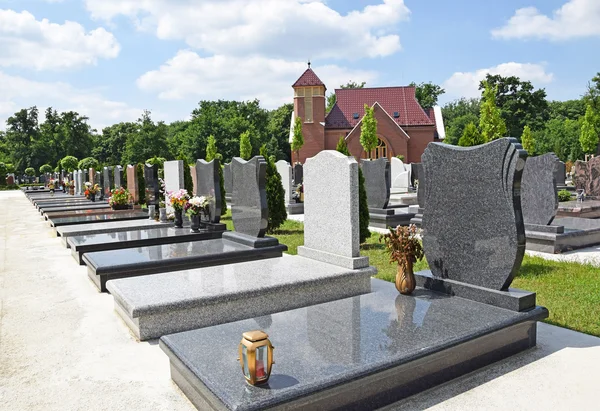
(564, 195)
(400, 157)
(46, 168)
(275, 194)
(69, 163)
(30, 171)
(87, 163)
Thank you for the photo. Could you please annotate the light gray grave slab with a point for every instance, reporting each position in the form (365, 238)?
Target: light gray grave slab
(400, 175)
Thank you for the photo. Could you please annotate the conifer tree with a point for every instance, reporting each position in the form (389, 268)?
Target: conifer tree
(368, 131)
(471, 136)
(491, 124)
(245, 146)
(212, 153)
(527, 141)
(275, 193)
(211, 148)
(297, 138)
(589, 133)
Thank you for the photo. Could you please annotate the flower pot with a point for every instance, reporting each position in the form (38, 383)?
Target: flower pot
(195, 220)
(405, 279)
(93, 198)
(178, 218)
(162, 215)
(151, 212)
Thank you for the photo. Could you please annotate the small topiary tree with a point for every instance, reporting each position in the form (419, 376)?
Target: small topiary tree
(245, 146)
(363, 206)
(368, 131)
(297, 138)
(589, 134)
(211, 148)
(275, 194)
(46, 168)
(69, 163)
(30, 171)
(491, 123)
(564, 195)
(87, 163)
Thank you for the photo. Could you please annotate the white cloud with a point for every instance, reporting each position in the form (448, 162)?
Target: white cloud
(188, 75)
(17, 92)
(42, 45)
(297, 29)
(466, 84)
(576, 18)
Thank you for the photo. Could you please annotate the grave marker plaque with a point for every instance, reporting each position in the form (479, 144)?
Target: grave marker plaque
(118, 176)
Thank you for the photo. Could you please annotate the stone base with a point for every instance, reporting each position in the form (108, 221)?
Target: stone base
(348, 355)
(107, 227)
(157, 305)
(91, 219)
(585, 209)
(418, 218)
(565, 234)
(389, 217)
(352, 263)
(295, 208)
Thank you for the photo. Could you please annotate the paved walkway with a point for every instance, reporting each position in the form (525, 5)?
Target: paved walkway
(63, 348)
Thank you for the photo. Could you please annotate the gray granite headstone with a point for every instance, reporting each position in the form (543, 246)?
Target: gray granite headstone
(228, 179)
(108, 180)
(174, 180)
(80, 182)
(377, 181)
(118, 171)
(331, 229)
(86, 178)
(152, 184)
(560, 174)
(539, 196)
(298, 174)
(249, 212)
(473, 229)
(100, 182)
(285, 171)
(208, 184)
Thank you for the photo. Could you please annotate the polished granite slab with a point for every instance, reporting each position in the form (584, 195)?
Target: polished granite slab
(585, 209)
(131, 262)
(80, 245)
(93, 211)
(358, 353)
(108, 227)
(160, 304)
(85, 206)
(60, 202)
(134, 215)
(565, 234)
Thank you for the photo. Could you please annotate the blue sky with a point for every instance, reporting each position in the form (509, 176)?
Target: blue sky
(110, 59)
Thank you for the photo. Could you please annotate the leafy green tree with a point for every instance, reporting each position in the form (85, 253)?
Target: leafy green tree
(471, 136)
(297, 138)
(589, 132)
(427, 94)
(213, 154)
(490, 122)
(141, 183)
(363, 206)
(528, 141)
(211, 148)
(570, 109)
(22, 130)
(46, 168)
(75, 134)
(560, 136)
(3, 172)
(69, 163)
(456, 129)
(10, 168)
(457, 114)
(592, 95)
(275, 193)
(368, 131)
(30, 171)
(245, 146)
(331, 98)
(278, 131)
(147, 140)
(89, 162)
(110, 146)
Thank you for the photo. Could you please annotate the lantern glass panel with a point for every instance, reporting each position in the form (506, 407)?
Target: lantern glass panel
(261, 362)
(245, 361)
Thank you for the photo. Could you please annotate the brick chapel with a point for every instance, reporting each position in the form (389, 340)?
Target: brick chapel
(403, 126)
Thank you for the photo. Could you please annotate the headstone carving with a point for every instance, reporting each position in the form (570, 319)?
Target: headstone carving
(250, 213)
(331, 206)
(108, 181)
(118, 176)
(285, 171)
(473, 229)
(377, 181)
(587, 176)
(152, 184)
(400, 174)
(132, 183)
(298, 174)
(539, 196)
(208, 183)
(560, 174)
(228, 179)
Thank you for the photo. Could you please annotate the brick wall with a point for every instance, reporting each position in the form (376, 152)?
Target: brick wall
(420, 137)
(314, 133)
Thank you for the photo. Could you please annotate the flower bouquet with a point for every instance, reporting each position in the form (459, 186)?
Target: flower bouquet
(197, 206)
(119, 199)
(404, 248)
(178, 200)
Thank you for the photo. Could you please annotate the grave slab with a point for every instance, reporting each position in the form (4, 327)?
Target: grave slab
(76, 213)
(61, 202)
(74, 207)
(363, 352)
(565, 234)
(80, 245)
(134, 215)
(108, 265)
(107, 227)
(159, 304)
(585, 209)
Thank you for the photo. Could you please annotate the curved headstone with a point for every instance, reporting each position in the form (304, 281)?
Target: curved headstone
(208, 183)
(249, 212)
(377, 181)
(152, 184)
(400, 174)
(473, 228)
(539, 196)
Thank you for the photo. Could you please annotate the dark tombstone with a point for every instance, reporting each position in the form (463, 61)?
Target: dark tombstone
(560, 174)
(108, 182)
(86, 177)
(250, 213)
(473, 229)
(118, 176)
(208, 184)
(377, 181)
(414, 173)
(152, 184)
(298, 174)
(228, 179)
(539, 196)
(418, 170)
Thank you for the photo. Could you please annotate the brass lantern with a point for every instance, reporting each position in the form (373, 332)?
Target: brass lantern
(256, 357)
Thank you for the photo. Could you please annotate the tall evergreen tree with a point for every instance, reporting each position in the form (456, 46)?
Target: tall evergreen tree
(491, 123)
(471, 136)
(297, 138)
(245, 146)
(368, 131)
(589, 132)
(211, 148)
(213, 154)
(528, 141)
(275, 193)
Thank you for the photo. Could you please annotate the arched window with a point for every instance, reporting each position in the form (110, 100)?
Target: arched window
(380, 151)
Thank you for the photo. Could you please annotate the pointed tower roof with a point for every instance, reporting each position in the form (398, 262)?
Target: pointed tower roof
(309, 78)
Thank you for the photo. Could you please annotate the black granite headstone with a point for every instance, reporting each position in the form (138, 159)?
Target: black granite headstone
(473, 229)
(208, 184)
(118, 171)
(420, 178)
(108, 182)
(377, 181)
(539, 196)
(152, 184)
(250, 213)
(298, 174)
(228, 179)
(414, 173)
(560, 174)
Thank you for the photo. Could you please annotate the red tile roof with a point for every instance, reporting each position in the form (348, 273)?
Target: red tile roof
(392, 99)
(308, 78)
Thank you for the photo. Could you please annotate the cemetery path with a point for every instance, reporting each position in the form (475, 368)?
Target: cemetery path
(61, 345)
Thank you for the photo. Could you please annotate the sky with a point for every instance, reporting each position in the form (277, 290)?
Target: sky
(111, 59)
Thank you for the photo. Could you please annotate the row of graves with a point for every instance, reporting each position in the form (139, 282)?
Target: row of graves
(344, 340)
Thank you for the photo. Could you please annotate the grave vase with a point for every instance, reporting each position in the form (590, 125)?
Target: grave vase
(162, 215)
(195, 219)
(405, 278)
(178, 218)
(93, 197)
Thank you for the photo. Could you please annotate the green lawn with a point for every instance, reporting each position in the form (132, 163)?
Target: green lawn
(570, 291)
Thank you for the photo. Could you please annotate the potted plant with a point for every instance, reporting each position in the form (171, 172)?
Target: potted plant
(178, 200)
(119, 199)
(195, 208)
(404, 248)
